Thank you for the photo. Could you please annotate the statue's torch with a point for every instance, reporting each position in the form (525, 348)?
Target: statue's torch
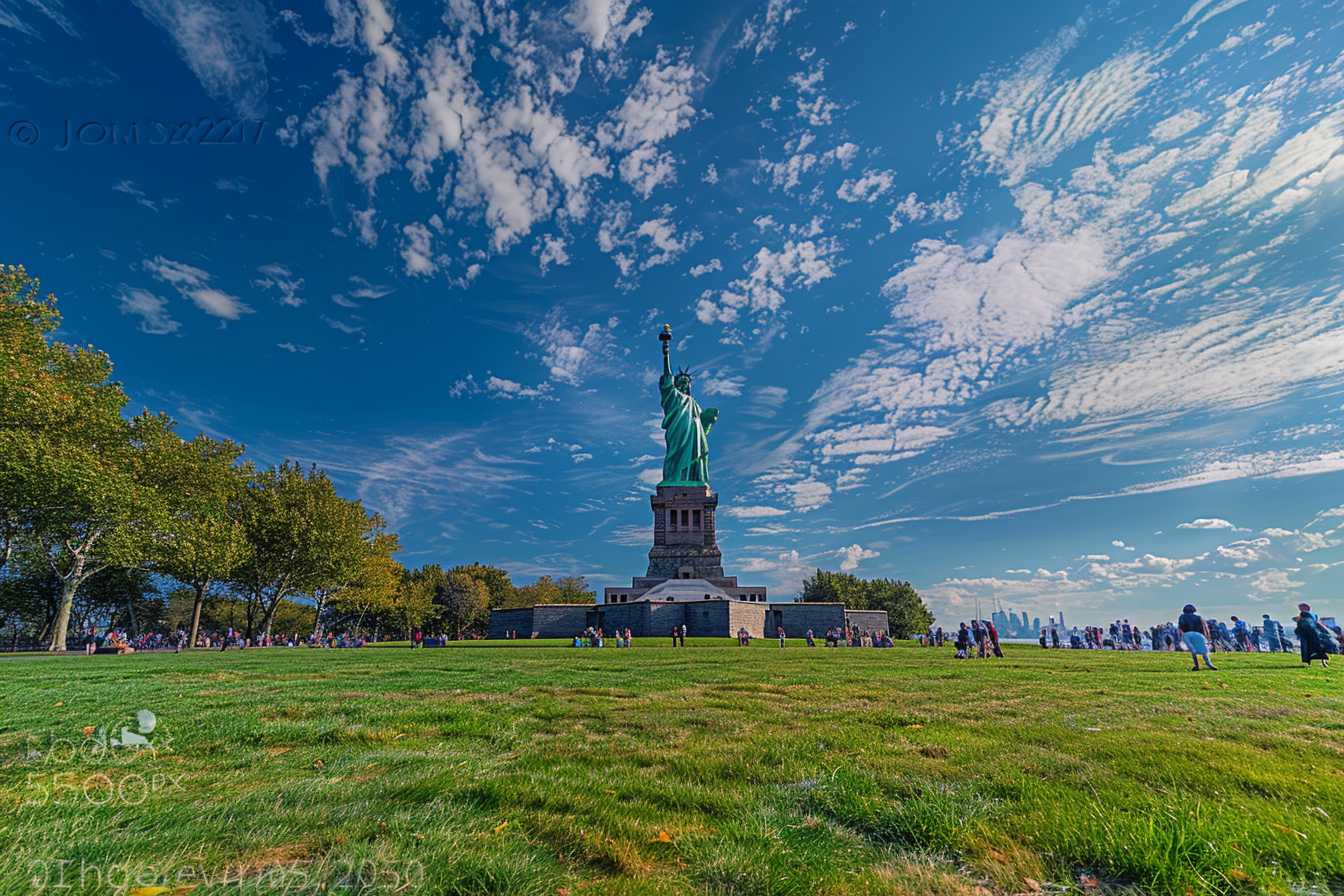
(665, 337)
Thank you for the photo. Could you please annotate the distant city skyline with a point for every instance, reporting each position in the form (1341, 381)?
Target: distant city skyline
(1039, 302)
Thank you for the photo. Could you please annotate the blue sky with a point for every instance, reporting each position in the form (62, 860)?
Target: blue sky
(1032, 302)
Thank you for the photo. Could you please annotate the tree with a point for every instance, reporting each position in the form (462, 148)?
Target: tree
(373, 586)
(413, 603)
(496, 582)
(71, 479)
(564, 590)
(464, 603)
(300, 532)
(103, 510)
(906, 611)
(203, 541)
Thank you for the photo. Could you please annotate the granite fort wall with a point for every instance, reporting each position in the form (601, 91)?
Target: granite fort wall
(560, 620)
(503, 621)
(622, 616)
(869, 620)
(662, 617)
(710, 618)
(797, 618)
(748, 616)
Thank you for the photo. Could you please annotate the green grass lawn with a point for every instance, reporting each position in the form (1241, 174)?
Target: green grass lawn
(521, 769)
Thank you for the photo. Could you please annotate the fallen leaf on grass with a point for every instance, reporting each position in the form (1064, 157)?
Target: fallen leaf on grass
(1089, 881)
(499, 828)
(319, 764)
(88, 730)
(1032, 885)
(915, 726)
(1238, 874)
(664, 837)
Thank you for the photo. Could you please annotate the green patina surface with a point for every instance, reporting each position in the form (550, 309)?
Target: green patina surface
(686, 425)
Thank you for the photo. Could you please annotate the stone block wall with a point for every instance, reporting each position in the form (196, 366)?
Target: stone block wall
(869, 620)
(797, 618)
(503, 621)
(560, 620)
(662, 617)
(749, 616)
(622, 616)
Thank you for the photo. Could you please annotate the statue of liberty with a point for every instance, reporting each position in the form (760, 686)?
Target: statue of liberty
(686, 425)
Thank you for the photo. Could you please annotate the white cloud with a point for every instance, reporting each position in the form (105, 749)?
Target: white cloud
(658, 107)
(1033, 116)
(551, 250)
(283, 281)
(911, 209)
(1207, 523)
(603, 22)
(760, 33)
(708, 267)
(868, 188)
(503, 388)
(720, 384)
(751, 511)
(852, 556)
(1177, 125)
(151, 309)
(225, 44)
(798, 265)
(417, 250)
(195, 284)
(572, 355)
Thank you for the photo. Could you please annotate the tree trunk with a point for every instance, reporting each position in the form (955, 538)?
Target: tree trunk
(68, 588)
(318, 602)
(196, 615)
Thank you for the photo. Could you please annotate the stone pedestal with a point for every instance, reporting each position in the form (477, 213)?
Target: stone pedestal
(684, 544)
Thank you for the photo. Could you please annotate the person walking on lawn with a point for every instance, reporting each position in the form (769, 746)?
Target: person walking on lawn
(1195, 634)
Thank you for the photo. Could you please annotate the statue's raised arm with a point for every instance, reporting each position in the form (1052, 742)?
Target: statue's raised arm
(685, 428)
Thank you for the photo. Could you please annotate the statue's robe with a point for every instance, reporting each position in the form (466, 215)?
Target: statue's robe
(687, 458)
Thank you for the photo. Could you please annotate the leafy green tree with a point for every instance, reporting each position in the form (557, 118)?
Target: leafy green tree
(463, 602)
(413, 603)
(72, 480)
(104, 510)
(373, 583)
(906, 610)
(299, 532)
(564, 590)
(203, 541)
(496, 582)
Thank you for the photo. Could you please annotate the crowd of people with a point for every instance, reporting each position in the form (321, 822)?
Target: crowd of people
(596, 637)
(94, 640)
(1316, 640)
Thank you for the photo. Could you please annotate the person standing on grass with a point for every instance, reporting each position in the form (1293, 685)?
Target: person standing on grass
(779, 633)
(1043, 647)
(811, 640)
(676, 630)
(993, 638)
(683, 634)
(1312, 638)
(1195, 634)
(963, 642)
